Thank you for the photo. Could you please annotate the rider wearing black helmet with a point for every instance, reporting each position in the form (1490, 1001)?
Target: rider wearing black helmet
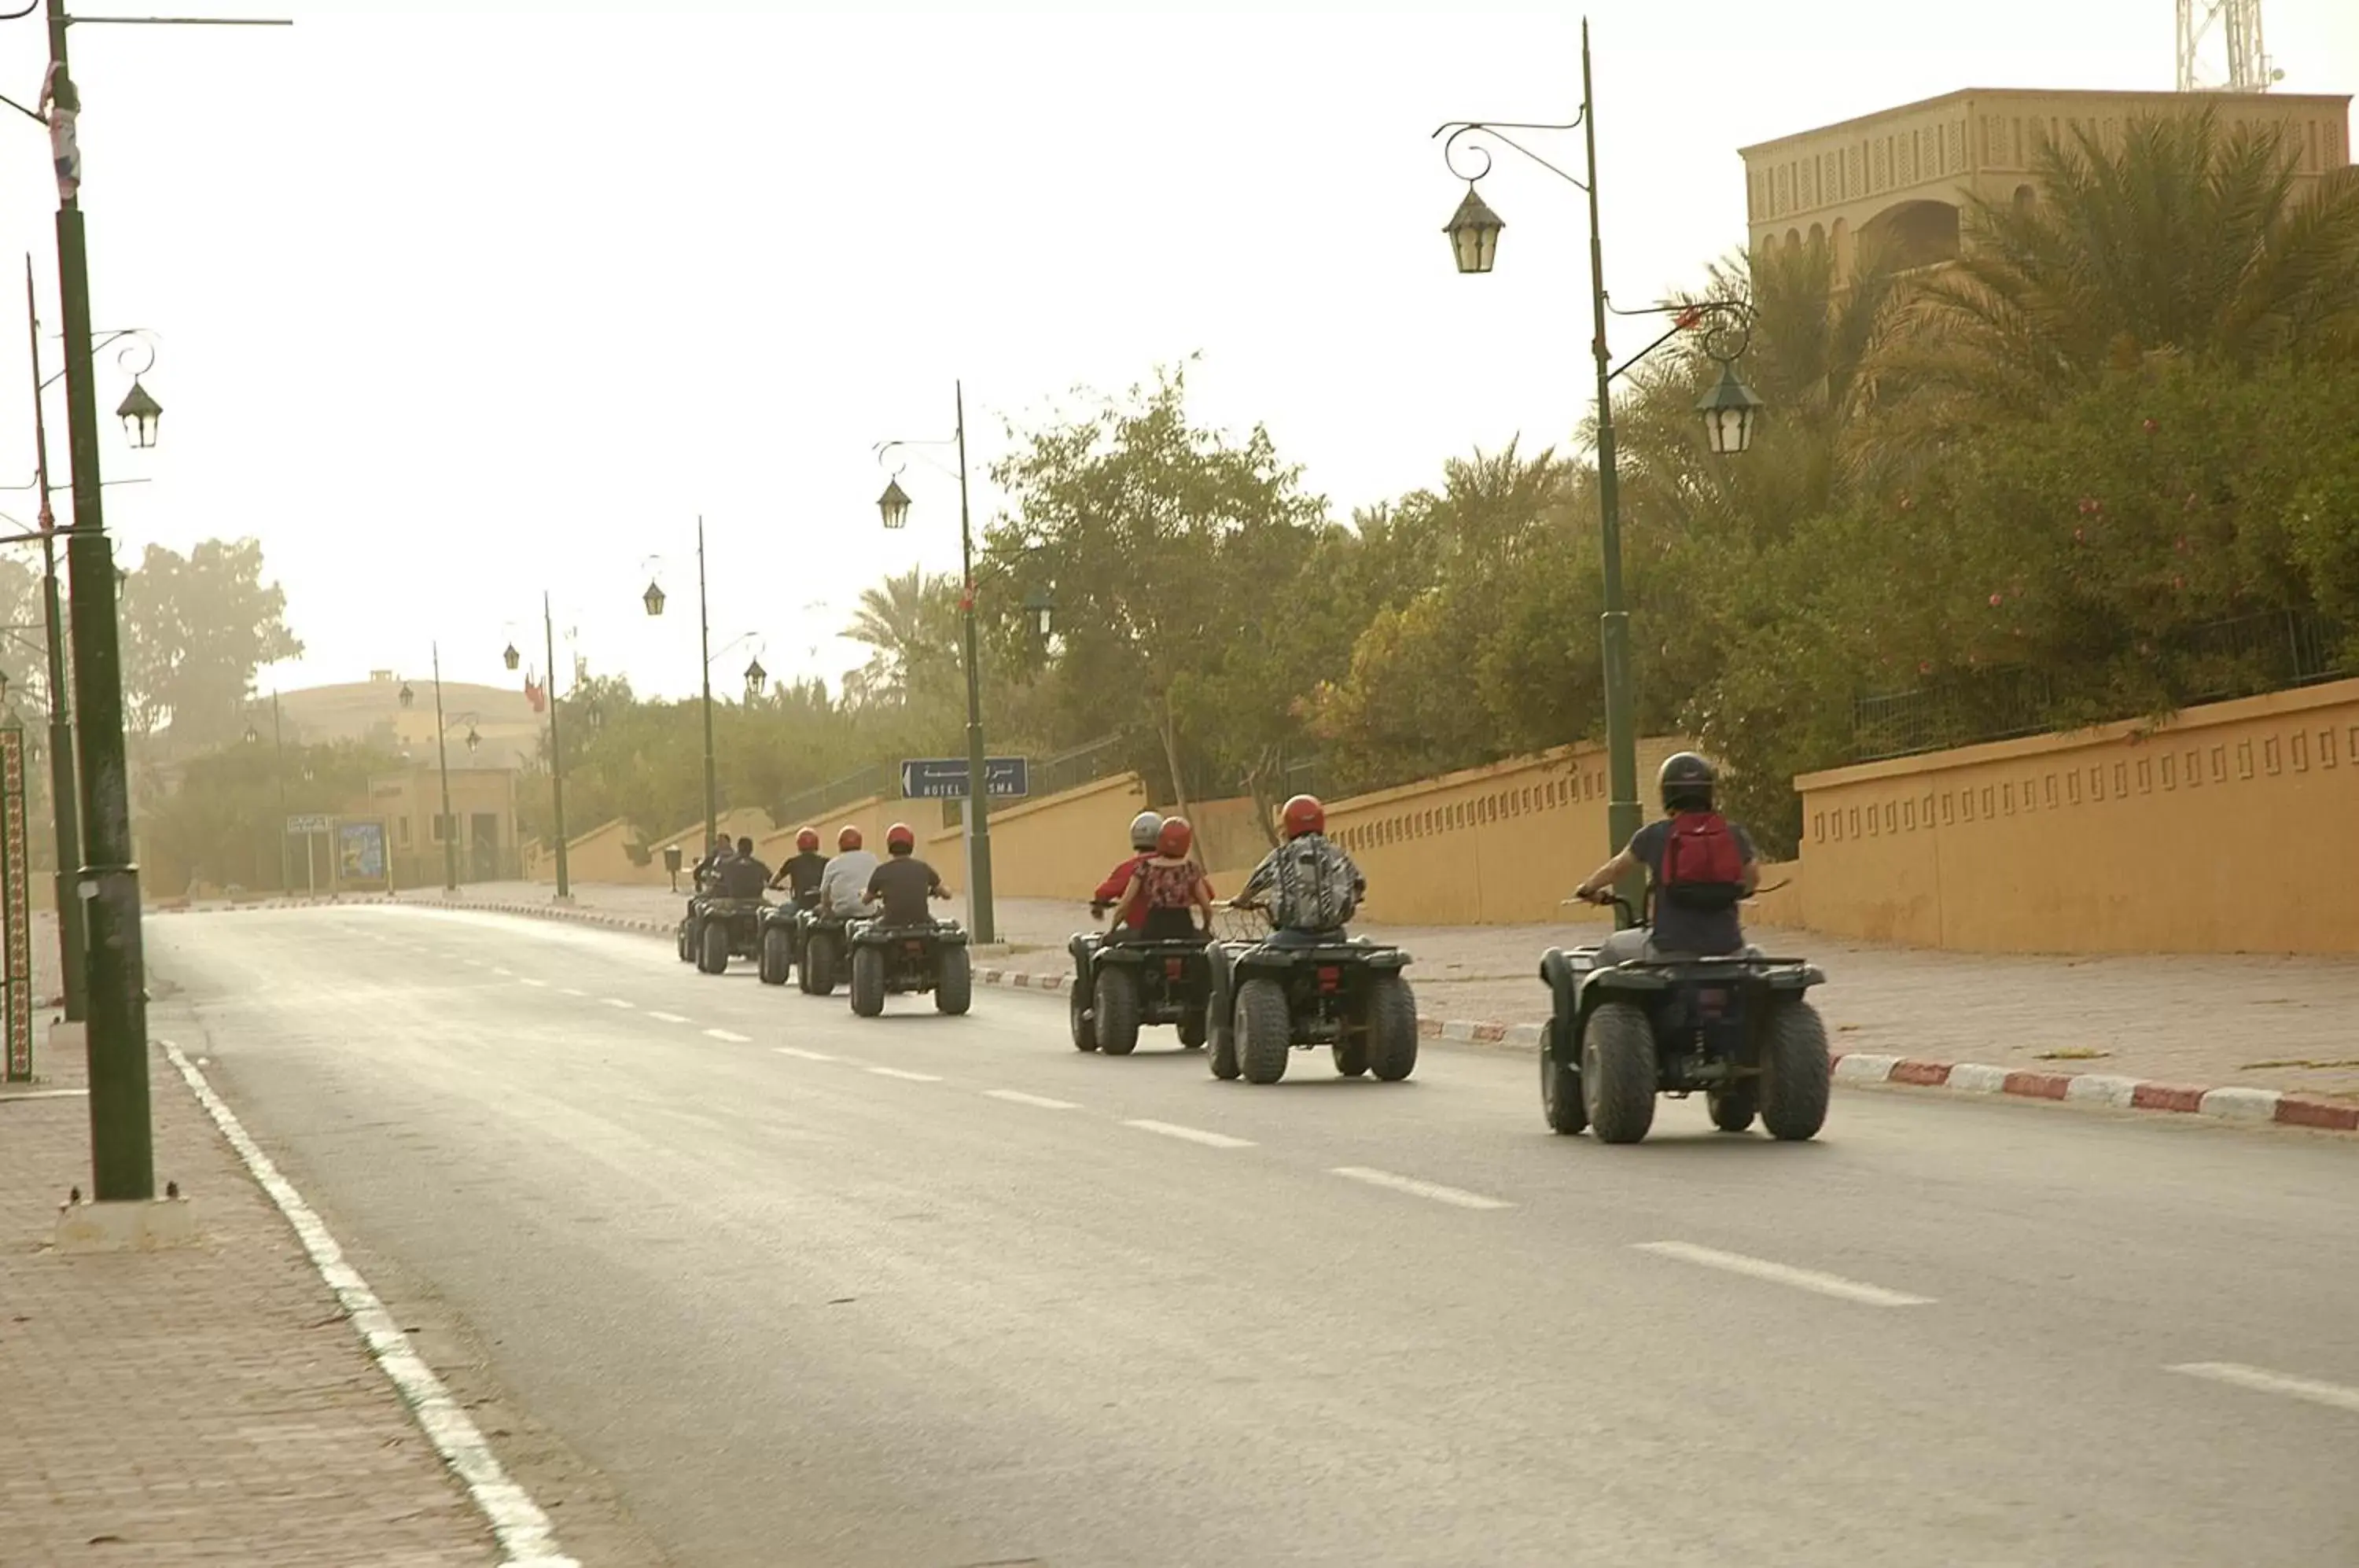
(1700, 865)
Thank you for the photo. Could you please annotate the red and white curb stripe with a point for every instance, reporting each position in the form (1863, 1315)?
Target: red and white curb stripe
(2232, 1105)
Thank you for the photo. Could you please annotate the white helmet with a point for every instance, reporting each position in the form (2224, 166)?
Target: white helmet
(1144, 830)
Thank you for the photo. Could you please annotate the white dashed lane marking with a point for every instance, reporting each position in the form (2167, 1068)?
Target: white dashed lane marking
(905, 1076)
(542, 984)
(667, 1018)
(572, 991)
(503, 973)
(2332, 1395)
(1457, 1196)
(805, 1055)
(1018, 1098)
(1191, 1135)
(617, 1002)
(732, 1036)
(1833, 1285)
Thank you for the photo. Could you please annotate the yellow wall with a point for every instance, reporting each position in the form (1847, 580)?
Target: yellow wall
(2232, 828)
(598, 855)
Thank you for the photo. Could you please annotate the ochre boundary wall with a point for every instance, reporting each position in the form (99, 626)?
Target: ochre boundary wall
(2231, 828)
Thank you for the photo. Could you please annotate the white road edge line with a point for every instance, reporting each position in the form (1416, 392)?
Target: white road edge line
(667, 1018)
(1192, 1135)
(616, 1002)
(1833, 1285)
(905, 1076)
(2333, 1395)
(805, 1055)
(732, 1036)
(523, 1530)
(1458, 1197)
(1018, 1098)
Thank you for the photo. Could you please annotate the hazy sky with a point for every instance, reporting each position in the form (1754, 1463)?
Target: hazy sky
(463, 301)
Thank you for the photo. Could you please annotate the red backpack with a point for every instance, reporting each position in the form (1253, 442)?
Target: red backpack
(1704, 867)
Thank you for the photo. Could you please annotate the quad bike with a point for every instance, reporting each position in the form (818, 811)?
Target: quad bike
(1736, 1027)
(725, 929)
(890, 959)
(782, 938)
(1270, 999)
(1122, 982)
(820, 938)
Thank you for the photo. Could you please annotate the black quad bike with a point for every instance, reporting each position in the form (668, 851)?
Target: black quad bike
(1736, 1027)
(724, 928)
(1345, 993)
(821, 941)
(782, 931)
(888, 960)
(1122, 982)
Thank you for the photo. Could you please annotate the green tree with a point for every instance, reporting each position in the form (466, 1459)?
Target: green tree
(911, 623)
(195, 629)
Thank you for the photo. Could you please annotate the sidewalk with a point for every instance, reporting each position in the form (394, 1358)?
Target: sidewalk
(209, 1404)
(2268, 1023)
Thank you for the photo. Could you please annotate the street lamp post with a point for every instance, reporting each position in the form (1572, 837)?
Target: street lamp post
(443, 760)
(72, 942)
(894, 507)
(1729, 413)
(556, 741)
(278, 773)
(654, 600)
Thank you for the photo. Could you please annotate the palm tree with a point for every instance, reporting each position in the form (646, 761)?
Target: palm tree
(911, 623)
(2179, 241)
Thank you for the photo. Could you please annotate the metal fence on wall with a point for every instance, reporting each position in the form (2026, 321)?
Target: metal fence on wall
(2268, 651)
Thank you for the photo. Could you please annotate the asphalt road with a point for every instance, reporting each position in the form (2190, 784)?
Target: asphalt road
(812, 1290)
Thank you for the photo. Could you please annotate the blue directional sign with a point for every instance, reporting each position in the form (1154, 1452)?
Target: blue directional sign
(945, 777)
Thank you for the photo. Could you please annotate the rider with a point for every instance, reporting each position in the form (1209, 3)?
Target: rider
(1308, 884)
(845, 884)
(904, 883)
(1144, 828)
(713, 856)
(1167, 886)
(1699, 864)
(802, 872)
(743, 875)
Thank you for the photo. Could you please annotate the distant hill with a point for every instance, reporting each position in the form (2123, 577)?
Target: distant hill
(370, 711)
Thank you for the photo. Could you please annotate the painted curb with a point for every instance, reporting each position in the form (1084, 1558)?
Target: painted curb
(2273, 1106)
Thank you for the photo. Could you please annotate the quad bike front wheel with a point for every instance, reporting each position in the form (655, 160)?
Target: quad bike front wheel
(1561, 1099)
(1192, 1029)
(1795, 1075)
(1351, 1058)
(1077, 1010)
(1617, 1073)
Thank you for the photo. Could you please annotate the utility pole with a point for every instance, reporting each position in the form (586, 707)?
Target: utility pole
(557, 745)
(72, 942)
(123, 1157)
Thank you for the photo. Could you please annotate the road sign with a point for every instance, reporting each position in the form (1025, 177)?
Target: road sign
(310, 824)
(945, 777)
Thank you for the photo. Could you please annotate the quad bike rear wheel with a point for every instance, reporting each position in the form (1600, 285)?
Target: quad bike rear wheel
(1265, 1027)
(954, 984)
(1117, 1010)
(867, 980)
(1617, 1072)
(1796, 1076)
(687, 943)
(1392, 1029)
(1561, 1099)
(777, 956)
(819, 965)
(714, 959)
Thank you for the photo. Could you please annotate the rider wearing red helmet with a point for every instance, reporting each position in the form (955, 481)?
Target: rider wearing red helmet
(803, 871)
(904, 883)
(1308, 884)
(844, 886)
(1167, 886)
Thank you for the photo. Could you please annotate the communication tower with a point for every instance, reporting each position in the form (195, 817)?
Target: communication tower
(2208, 27)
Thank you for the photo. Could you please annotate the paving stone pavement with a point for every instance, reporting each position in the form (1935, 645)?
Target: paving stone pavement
(204, 1405)
(2284, 1023)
